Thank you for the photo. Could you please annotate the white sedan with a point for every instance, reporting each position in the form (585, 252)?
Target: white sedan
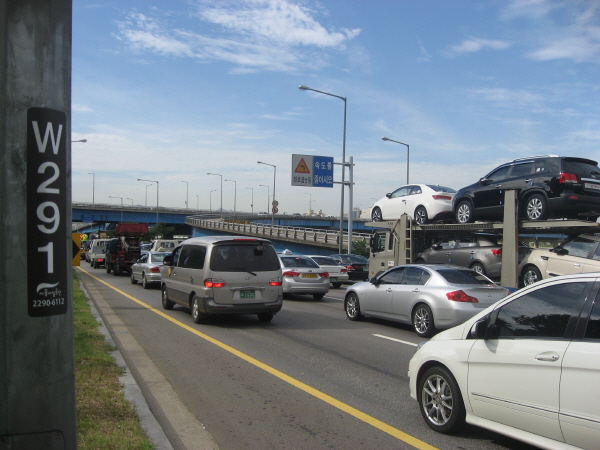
(423, 202)
(526, 367)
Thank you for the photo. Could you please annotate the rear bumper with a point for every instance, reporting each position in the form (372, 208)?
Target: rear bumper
(212, 308)
(584, 205)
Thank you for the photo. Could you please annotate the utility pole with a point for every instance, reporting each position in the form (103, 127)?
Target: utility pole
(37, 367)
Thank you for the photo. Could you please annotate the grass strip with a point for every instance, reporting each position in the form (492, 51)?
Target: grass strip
(105, 420)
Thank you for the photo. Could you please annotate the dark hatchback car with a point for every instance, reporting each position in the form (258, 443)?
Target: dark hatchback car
(357, 265)
(547, 186)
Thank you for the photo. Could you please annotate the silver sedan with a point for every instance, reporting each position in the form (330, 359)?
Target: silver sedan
(147, 268)
(429, 297)
(337, 273)
(301, 275)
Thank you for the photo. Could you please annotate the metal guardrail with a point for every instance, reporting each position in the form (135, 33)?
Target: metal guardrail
(298, 234)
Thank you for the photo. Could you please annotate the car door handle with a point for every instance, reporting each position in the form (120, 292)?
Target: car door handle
(498, 185)
(577, 265)
(388, 290)
(448, 253)
(415, 290)
(547, 356)
(527, 180)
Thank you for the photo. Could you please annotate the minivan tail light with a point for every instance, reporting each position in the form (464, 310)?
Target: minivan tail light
(441, 197)
(461, 296)
(155, 269)
(497, 251)
(214, 283)
(567, 178)
(275, 281)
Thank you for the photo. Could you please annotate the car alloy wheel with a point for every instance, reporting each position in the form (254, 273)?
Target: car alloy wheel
(423, 321)
(531, 275)
(535, 208)
(352, 306)
(440, 401)
(421, 215)
(376, 215)
(464, 213)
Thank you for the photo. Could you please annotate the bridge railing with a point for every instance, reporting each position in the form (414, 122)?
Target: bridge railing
(300, 234)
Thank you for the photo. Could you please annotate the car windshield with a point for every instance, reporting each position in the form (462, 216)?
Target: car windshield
(458, 276)
(438, 188)
(324, 261)
(255, 257)
(296, 261)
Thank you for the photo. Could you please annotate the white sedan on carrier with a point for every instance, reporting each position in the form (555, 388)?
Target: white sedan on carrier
(423, 202)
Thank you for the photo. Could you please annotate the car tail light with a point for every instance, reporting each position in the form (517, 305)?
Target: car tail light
(275, 281)
(497, 251)
(154, 269)
(344, 271)
(567, 178)
(214, 283)
(461, 296)
(99, 260)
(291, 273)
(324, 275)
(441, 197)
(573, 197)
(350, 267)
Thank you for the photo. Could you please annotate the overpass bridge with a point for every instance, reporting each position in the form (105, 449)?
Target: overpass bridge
(299, 233)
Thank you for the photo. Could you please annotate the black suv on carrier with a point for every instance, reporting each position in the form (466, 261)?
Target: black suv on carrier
(547, 186)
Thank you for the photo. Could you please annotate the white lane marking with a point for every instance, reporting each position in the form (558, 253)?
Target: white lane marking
(395, 340)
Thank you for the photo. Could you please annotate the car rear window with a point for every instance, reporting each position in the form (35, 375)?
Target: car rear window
(581, 167)
(441, 188)
(295, 261)
(158, 257)
(357, 259)
(458, 276)
(324, 261)
(235, 257)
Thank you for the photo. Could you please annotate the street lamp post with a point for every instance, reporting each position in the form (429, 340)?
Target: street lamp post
(131, 201)
(234, 196)
(210, 195)
(309, 203)
(80, 140)
(93, 186)
(274, 198)
(153, 181)
(221, 189)
(110, 196)
(407, 155)
(146, 203)
(187, 185)
(197, 203)
(252, 201)
(268, 194)
(341, 244)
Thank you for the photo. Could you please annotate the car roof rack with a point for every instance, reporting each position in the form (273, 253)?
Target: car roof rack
(536, 156)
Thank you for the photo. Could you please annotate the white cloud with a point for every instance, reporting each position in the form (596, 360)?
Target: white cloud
(473, 45)
(274, 35)
(508, 97)
(81, 108)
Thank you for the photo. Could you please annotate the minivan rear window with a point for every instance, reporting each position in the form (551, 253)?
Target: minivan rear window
(236, 257)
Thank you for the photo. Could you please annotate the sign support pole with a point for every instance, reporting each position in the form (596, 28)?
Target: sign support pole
(37, 367)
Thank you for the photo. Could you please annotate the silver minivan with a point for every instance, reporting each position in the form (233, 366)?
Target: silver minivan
(215, 275)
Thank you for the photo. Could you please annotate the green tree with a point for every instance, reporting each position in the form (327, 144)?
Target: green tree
(361, 248)
(160, 230)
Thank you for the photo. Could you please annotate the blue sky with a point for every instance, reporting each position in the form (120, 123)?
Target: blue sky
(171, 90)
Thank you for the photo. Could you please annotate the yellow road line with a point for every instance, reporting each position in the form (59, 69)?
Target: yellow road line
(282, 376)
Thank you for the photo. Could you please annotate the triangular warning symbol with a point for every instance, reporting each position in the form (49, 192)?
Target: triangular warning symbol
(302, 167)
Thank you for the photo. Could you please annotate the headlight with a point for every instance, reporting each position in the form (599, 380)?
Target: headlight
(421, 344)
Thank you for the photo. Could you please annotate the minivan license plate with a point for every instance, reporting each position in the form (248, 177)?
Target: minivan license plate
(247, 294)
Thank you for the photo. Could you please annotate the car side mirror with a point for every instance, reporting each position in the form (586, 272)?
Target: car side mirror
(436, 247)
(479, 330)
(560, 251)
(388, 195)
(374, 281)
(485, 181)
(168, 261)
